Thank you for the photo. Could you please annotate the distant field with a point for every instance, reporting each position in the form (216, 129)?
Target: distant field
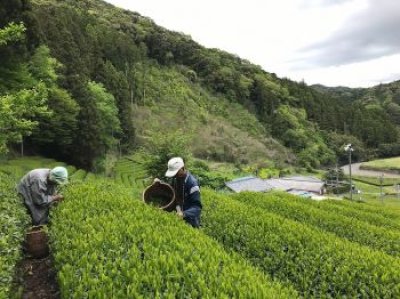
(377, 181)
(372, 194)
(391, 164)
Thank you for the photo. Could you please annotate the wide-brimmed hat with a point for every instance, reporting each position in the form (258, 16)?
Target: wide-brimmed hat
(174, 165)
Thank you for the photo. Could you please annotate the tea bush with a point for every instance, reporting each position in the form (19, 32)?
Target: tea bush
(318, 264)
(296, 208)
(108, 245)
(13, 222)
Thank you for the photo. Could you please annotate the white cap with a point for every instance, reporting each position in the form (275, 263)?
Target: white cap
(174, 165)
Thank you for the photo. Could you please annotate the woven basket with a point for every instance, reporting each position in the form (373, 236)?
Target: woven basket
(36, 241)
(160, 195)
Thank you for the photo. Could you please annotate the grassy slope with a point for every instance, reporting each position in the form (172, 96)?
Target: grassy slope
(383, 164)
(218, 128)
(370, 187)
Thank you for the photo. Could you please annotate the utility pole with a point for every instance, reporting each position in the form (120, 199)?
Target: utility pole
(337, 174)
(349, 148)
(398, 190)
(381, 183)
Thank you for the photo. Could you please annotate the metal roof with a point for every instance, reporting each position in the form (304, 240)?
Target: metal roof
(249, 184)
(300, 185)
(303, 179)
(255, 184)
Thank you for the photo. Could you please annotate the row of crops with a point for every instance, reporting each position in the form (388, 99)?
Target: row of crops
(116, 244)
(130, 173)
(13, 221)
(317, 263)
(384, 235)
(372, 209)
(109, 245)
(19, 167)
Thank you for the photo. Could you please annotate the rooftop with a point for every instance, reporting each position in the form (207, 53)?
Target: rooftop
(249, 184)
(255, 184)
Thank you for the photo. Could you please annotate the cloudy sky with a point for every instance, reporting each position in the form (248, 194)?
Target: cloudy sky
(353, 43)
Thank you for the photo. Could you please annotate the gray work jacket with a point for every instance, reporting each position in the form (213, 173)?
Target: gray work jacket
(37, 193)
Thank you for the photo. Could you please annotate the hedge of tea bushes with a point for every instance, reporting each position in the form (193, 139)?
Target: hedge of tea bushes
(19, 167)
(380, 238)
(377, 217)
(129, 172)
(317, 263)
(107, 244)
(78, 176)
(13, 222)
(373, 214)
(371, 208)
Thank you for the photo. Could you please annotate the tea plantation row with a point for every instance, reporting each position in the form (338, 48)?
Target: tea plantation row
(383, 238)
(317, 263)
(108, 245)
(13, 221)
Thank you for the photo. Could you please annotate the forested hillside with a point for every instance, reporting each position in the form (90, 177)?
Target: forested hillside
(82, 81)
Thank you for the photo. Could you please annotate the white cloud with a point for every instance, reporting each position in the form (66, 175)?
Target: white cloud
(371, 33)
(298, 39)
(361, 74)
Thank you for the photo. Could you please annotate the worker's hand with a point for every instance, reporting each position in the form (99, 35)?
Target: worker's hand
(58, 198)
(179, 211)
(156, 181)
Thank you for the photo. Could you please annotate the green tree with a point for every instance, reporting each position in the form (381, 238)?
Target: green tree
(108, 122)
(116, 82)
(43, 67)
(19, 103)
(11, 33)
(17, 112)
(55, 133)
(164, 147)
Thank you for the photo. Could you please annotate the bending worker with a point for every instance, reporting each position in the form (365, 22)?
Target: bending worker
(187, 191)
(38, 189)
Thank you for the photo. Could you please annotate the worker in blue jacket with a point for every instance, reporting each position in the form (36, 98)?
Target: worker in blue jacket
(187, 191)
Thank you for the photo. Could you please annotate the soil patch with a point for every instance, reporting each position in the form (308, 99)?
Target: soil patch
(37, 279)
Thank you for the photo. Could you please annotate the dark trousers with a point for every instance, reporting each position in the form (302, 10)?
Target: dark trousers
(192, 216)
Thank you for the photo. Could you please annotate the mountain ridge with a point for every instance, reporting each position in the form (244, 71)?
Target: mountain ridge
(130, 57)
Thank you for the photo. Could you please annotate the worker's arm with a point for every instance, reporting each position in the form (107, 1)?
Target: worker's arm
(39, 196)
(193, 198)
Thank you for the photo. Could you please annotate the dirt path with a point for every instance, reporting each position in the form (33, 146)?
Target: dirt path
(355, 170)
(37, 278)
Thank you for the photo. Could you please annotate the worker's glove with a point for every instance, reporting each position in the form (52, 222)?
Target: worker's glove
(179, 211)
(156, 181)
